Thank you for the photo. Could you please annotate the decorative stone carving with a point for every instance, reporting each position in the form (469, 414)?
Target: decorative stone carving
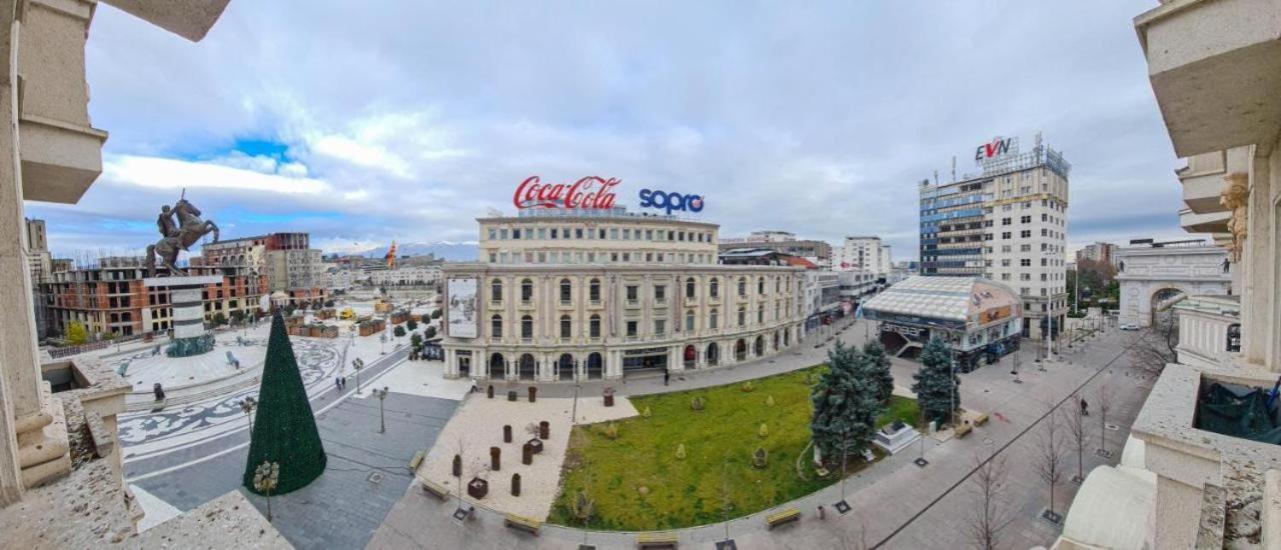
(1236, 198)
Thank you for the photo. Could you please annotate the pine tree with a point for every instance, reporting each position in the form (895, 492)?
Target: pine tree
(936, 384)
(880, 370)
(284, 429)
(845, 404)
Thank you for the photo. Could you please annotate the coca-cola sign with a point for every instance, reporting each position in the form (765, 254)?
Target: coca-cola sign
(592, 192)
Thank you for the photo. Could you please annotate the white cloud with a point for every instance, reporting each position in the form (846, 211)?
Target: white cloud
(163, 173)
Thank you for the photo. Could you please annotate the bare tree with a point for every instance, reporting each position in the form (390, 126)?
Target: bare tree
(1048, 459)
(1078, 436)
(989, 513)
(1104, 404)
(1158, 348)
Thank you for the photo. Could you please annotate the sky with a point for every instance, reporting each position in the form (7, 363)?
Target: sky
(367, 122)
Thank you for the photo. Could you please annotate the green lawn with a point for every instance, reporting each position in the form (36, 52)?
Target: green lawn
(638, 483)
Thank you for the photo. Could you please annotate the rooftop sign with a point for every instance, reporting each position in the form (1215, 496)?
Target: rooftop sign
(591, 192)
(996, 148)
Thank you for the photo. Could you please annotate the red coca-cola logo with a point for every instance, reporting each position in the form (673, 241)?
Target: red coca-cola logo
(589, 192)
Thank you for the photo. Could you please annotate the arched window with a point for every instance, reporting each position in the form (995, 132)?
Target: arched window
(712, 320)
(760, 285)
(496, 291)
(527, 327)
(742, 286)
(496, 326)
(714, 288)
(689, 321)
(593, 326)
(526, 290)
(593, 290)
(689, 288)
(566, 327)
(566, 290)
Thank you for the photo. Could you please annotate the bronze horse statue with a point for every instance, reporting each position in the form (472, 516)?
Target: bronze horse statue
(190, 228)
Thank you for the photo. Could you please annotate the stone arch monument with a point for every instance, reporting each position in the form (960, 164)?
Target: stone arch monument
(1185, 269)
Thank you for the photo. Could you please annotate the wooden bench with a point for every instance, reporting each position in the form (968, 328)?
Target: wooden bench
(522, 523)
(782, 517)
(964, 430)
(980, 419)
(435, 489)
(414, 462)
(656, 540)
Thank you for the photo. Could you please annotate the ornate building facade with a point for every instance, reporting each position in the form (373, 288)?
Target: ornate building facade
(566, 294)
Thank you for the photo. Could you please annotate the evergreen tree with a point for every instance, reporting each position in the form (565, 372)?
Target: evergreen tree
(936, 384)
(881, 375)
(76, 333)
(845, 404)
(284, 426)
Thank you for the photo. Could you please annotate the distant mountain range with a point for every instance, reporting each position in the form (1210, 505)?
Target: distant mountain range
(454, 252)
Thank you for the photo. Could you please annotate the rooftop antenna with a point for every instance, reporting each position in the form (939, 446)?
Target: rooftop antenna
(936, 177)
(953, 168)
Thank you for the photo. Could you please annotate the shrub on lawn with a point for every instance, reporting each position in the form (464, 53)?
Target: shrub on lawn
(763, 432)
(747, 386)
(760, 458)
(646, 412)
(680, 452)
(611, 431)
(697, 404)
(769, 401)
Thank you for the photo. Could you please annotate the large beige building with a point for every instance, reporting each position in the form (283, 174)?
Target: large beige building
(574, 294)
(1215, 68)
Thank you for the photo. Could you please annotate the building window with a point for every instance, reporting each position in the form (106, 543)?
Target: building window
(566, 327)
(631, 329)
(527, 327)
(593, 326)
(742, 316)
(689, 288)
(660, 293)
(566, 291)
(760, 314)
(593, 290)
(713, 319)
(760, 285)
(660, 327)
(526, 290)
(633, 293)
(742, 286)
(496, 291)
(714, 288)
(496, 326)
(689, 321)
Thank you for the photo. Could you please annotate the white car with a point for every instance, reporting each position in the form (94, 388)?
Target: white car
(1129, 326)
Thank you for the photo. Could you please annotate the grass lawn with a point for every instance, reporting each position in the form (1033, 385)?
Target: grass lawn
(638, 483)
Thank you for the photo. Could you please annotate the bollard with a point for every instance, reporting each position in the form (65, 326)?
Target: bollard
(507, 433)
(515, 485)
(511, 395)
(544, 430)
(490, 391)
(458, 465)
(526, 454)
(533, 394)
(495, 455)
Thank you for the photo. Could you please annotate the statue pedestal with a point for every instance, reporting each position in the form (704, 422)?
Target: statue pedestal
(188, 320)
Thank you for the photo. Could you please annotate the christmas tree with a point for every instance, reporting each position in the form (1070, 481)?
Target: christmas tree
(284, 430)
(845, 404)
(936, 382)
(881, 375)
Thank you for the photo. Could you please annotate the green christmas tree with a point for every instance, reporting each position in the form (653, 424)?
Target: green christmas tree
(845, 404)
(284, 427)
(937, 386)
(880, 370)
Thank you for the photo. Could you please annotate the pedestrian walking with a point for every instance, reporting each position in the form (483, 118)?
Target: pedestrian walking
(1085, 408)
(667, 376)
(338, 382)
(342, 382)
(822, 513)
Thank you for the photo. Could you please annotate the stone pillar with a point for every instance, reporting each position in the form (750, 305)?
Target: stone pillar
(16, 370)
(451, 367)
(1256, 300)
(676, 358)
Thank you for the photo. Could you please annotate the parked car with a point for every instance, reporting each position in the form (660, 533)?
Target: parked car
(1129, 326)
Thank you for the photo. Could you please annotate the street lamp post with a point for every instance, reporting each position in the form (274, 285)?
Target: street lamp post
(382, 342)
(358, 364)
(382, 420)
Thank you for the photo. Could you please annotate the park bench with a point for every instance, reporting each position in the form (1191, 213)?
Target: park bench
(980, 419)
(656, 540)
(436, 490)
(523, 523)
(418, 459)
(964, 430)
(782, 517)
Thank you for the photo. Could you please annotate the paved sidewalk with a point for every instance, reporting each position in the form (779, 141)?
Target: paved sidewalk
(895, 503)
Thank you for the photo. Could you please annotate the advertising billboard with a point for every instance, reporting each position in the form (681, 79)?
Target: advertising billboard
(461, 313)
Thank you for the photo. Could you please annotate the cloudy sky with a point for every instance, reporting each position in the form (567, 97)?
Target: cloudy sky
(380, 120)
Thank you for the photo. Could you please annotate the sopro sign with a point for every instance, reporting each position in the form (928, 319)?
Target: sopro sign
(663, 200)
(593, 192)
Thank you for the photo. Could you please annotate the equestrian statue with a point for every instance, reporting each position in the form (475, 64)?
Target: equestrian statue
(177, 237)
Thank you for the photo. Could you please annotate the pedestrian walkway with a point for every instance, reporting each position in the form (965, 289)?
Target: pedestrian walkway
(884, 499)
